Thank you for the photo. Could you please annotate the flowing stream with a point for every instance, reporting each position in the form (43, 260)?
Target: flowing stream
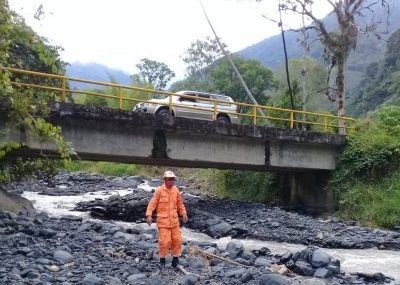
(352, 260)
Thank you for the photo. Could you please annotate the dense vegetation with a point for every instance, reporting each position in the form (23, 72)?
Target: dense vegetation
(381, 82)
(21, 47)
(367, 179)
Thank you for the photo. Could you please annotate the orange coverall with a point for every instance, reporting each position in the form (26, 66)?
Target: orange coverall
(168, 203)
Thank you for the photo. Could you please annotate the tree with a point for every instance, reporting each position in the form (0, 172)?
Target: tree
(22, 108)
(311, 79)
(200, 55)
(392, 56)
(339, 43)
(155, 73)
(257, 77)
(191, 83)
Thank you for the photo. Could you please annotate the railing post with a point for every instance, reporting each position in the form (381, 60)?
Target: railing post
(63, 91)
(325, 123)
(255, 115)
(170, 103)
(291, 120)
(120, 98)
(215, 109)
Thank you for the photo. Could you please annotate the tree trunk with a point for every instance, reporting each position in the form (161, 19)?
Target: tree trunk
(341, 96)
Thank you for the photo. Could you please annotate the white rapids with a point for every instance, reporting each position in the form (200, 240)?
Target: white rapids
(352, 260)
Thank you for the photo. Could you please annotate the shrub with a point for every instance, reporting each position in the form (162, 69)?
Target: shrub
(367, 180)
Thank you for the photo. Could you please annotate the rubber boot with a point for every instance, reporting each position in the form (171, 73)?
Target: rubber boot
(175, 261)
(162, 263)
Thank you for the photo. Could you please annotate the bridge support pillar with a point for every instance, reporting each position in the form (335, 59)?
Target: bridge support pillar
(308, 190)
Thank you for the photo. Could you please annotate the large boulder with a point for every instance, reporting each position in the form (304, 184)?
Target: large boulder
(11, 202)
(320, 258)
(219, 230)
(303, 268)
(234, 248)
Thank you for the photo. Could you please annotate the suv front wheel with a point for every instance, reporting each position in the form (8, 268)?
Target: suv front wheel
(223, 120)
(163, 113)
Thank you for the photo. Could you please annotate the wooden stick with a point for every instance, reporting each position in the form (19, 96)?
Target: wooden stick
(210, 255)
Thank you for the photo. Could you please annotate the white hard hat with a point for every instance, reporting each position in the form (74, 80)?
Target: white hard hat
(169, 174)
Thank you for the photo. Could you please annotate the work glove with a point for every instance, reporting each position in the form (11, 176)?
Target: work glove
(149, 220)
(185, 218)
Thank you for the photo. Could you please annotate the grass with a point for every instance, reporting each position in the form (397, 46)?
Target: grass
(116, 169)
(106, 168)
(375, 204)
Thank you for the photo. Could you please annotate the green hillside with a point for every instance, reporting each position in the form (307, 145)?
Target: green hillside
(369, 50)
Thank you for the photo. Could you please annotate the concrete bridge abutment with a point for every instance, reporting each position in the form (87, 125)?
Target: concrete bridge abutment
(308, 190)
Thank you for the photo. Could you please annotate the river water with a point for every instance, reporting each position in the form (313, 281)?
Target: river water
(352, 260)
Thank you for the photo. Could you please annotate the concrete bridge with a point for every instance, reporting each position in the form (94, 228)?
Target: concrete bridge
(303, 158)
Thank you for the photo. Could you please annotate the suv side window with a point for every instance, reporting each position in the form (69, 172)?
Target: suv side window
(185, 99)
(207, 97)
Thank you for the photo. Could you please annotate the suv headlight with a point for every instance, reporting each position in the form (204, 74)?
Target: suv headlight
(138, 106)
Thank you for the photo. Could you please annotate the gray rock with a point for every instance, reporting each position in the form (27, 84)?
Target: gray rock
(25, 272)
(23, 250)
(303, 268)
(219, 230)
(62, 256)
(71, 218)
(156, 280)
(65, 248)
(286, 257)
(307, 253)
(248, 256)
(246, 277)
(235, 273)
(322, 273)
(14, 203)
(215, 262)
(333, 268)
(47, 233)
(275, 224)
(260, 261)
(211, 250)
(320, 258)
(273, 279)
(314, 281)
(196, 262)
(234, 248)
(92, 279)
(132, 279)
(190, 279)
(242, 261)
(42, 260)
(155, 182)
(33, 274)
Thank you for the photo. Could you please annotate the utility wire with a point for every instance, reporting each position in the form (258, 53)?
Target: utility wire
(231, 62)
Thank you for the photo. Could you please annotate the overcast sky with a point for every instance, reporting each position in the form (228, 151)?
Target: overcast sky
(119, 33)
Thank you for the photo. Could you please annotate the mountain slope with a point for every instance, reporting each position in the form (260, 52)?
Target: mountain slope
(96, 72)
(369, 49)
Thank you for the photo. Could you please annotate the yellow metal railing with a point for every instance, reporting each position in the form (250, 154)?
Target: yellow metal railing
(325, 121)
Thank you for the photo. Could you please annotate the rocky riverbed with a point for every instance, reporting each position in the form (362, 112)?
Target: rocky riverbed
(42, 249)
(220, 217)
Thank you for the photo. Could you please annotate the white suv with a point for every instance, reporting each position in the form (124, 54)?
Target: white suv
(181, 106)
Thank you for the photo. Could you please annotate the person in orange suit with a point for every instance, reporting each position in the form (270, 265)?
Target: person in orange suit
(167, 200)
